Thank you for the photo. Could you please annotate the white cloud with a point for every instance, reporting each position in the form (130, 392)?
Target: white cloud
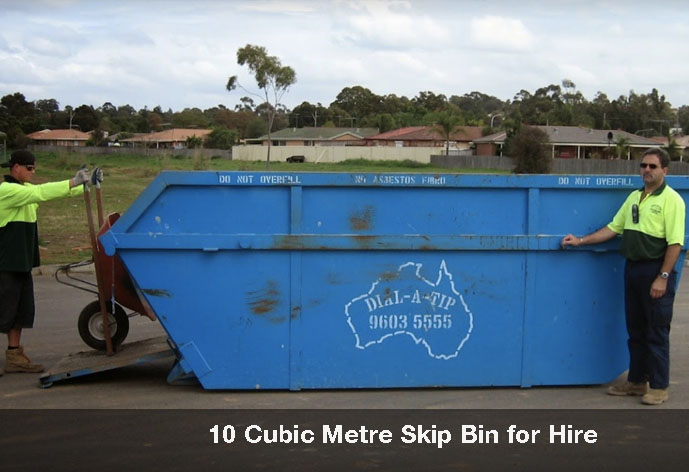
(383, 24)
(179, 54)
(616, 29)
(495, 32)
(279, 6)
(47, 47)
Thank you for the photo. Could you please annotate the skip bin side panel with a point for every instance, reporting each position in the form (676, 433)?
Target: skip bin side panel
(410, 319)
(232, 305)
(215, 210)
(577, 332)
(425, 211)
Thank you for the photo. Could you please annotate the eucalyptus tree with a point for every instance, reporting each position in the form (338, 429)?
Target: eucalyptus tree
(272, 78)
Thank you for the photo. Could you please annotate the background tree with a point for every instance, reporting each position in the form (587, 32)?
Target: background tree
(86, 118)
(446, 123)
(622, 147)
(357, 102)
(673, 148)
(221, 138)
(307, 114)
(272, 78)
(529, 150)
(190, 118)
(194, 142)
(683, 118)
(477, 107)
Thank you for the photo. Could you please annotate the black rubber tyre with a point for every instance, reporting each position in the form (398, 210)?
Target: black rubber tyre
(91, 325)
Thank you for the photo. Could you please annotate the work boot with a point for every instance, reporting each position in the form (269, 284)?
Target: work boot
(628, 388)
(655, 396)
(18, 362)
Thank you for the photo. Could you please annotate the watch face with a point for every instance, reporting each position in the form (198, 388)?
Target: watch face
(664, 275)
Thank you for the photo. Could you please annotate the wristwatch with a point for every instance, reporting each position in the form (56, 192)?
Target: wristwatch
(664, 275)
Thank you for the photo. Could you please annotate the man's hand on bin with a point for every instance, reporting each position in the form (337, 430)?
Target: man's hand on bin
(570, 240)
(81, 177)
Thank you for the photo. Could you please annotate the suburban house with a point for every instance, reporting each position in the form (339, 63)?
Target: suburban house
(175, 138)
(310, 136)
(59, 137)
(426, 136)
(573, 142)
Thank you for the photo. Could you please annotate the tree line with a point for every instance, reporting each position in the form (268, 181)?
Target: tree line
(648, 114)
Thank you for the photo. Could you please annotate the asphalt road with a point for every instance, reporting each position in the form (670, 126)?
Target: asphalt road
(144, 386)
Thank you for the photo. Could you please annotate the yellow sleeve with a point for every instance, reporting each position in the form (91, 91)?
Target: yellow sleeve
(617, 223)
(674, 221)
(76, 191)
(16, 195)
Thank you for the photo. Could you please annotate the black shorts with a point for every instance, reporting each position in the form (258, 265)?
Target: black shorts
(17, 307)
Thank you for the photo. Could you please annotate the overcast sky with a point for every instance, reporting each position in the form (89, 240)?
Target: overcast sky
(179, 54)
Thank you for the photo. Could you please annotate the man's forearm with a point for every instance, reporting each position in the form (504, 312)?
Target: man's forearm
(600, 236)
(671, 256)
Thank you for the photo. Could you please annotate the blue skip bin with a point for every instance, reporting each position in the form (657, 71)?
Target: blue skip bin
(310, 280)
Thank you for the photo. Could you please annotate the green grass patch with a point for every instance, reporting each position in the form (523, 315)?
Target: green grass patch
(63, 227)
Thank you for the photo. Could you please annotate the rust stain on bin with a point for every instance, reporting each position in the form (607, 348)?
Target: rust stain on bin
(388, 276)
(366, 242)
(362, 220)
(265, 300)
(289, 242)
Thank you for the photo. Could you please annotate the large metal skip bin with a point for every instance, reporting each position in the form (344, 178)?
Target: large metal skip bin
(314, 280)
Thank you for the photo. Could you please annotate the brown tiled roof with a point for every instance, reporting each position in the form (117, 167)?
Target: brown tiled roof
(59, 135)
(427, 133)
(170, 135)
(397, 133)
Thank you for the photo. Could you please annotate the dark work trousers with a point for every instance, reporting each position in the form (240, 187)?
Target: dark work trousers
(648, 323)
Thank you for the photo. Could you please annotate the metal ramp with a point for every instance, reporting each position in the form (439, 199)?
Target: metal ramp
(90, 362)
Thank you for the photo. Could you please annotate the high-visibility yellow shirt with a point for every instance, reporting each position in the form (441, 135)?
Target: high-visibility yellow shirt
(18, 215)
(660, 223)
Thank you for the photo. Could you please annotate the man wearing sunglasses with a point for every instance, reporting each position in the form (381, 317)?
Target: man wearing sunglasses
(651, 222)
(19, 249)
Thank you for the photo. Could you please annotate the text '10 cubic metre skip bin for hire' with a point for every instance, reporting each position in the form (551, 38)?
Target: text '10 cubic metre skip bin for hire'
(310, 280)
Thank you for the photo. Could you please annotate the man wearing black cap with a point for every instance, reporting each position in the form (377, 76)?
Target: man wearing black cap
(19, 249)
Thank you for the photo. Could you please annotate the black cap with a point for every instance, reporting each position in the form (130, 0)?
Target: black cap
(21, 157)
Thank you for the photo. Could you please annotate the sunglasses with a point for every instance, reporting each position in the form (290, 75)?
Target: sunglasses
(643, 165)
(635, 213)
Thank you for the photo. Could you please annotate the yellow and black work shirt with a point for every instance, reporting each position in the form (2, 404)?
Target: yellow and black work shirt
(660, 224)
(18, 227)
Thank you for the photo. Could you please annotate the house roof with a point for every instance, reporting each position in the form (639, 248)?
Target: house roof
(563, 135)
(317, 134)
(428, 133)
(59, 135)
(116, 136)
(682, 141)
(169, 135)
